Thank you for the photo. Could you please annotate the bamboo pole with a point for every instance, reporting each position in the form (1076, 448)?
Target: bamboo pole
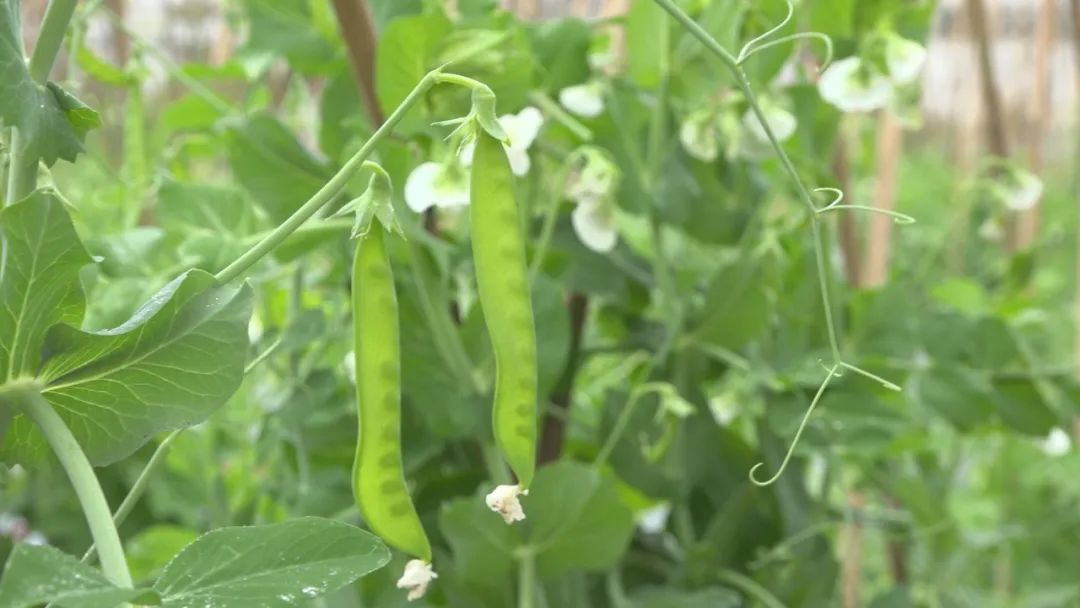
(851, 535)
(1075, 6)
(358, 32)
(889, 146)
(847, 228)
(1038, 116)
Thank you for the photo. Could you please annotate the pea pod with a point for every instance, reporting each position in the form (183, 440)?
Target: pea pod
(499, 255)
(378, 475)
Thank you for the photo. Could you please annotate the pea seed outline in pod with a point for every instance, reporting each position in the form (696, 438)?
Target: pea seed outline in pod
(378, 474)
(502, 280)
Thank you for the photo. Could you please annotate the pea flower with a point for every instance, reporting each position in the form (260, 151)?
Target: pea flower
(854, 86)
(781, 122)
(522, 129)
(654, 519)
(586, 100)
(1057, 443)
(904, 59)
(592, 186)
(1021, 190)
(417, 576)
(699, 134)
(504, 501)
(433, 184)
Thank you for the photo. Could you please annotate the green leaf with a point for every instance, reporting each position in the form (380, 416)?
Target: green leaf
(152, 548)
(36, 575)
(1022, 407)
(737, 306)
(289, 28)
(960, 395)
(273, 565)
(713, 597)
(178, 359)
(268, 161)
(406, 53)
(482, 544)
(561, 48)
(52, 123)
(38, 279)
(592, 536)
(646, 36)
(206, 222)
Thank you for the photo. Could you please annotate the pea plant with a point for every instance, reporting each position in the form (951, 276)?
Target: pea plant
(543, 288)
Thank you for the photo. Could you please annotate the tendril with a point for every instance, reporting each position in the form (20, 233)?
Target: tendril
(899, 218)
(745, 54)
(862, 372)
(749, 46)
(832, 371)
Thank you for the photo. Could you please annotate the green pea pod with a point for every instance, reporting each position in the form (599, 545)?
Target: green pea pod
(499, 255)
(378, 475)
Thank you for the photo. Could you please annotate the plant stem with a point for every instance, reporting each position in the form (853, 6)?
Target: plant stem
(50, 37)
(804, 193)
(136, 491)
(328, 191)
(750, 587)
(22, 173)
(81, 475)
(527, 580)
(561, 116)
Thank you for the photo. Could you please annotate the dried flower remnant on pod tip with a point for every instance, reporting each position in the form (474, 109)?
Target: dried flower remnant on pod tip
(504, 501)
(415, 579)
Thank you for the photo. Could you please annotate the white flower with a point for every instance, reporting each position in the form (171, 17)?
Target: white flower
(35, 538)
(594, 223)
(349, 362)
(904, 58)
(1023, 192)
(699, 135)
(846, 85)
(504, 501)
(780, 121)
(522, 129)
(1057, 443)
(654, 519)
(583, 99)
(435, 184)
(724, 408)
(416, 578)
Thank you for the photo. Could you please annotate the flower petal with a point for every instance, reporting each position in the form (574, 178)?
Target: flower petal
(698, 135)
(1025, 192)
(523, 127)
(905, 59)
(432, 184)
(583, 99)
(595, 226)
(780, 121)
(504, 501)
(845, 87)
(1057, 443)
(417, 576)
(519, 160)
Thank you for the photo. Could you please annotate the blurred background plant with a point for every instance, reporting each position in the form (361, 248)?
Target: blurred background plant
(678, 312)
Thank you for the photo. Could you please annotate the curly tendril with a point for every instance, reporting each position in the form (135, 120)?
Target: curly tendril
(761, 42)
(899, 218)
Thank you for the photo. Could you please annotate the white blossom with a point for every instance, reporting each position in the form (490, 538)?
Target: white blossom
(436, 184)
(1056, 443)
(654, 519)
(416, 578)
(904, 59)
(585, 100)
(521, 129)
(504, 501)
(1023, 192)
(594, 224)
(349, 362)
(699, 135)
(853, 87)
(780, 121)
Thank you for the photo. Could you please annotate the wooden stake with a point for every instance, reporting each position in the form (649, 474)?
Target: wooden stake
(890, 139)
(851, 541)
(1038, 117)
(847, 228)
(358, 32)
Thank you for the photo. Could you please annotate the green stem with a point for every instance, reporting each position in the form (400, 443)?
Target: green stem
(327, 193)
(22, 175)
(137, 490)
(527, 579)
(624, 419)
(561, 116)
(81, 475)
(804, 193)
(50, 37)
(750, 587)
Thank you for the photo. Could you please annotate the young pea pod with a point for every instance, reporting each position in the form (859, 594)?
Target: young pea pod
(499, 255)
(378, 476)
